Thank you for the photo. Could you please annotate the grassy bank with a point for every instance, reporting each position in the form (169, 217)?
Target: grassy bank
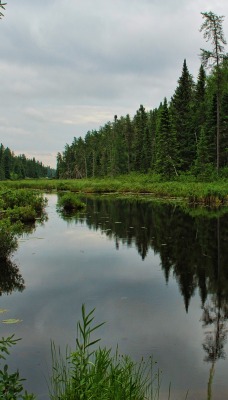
(207, 193)
(19, 209)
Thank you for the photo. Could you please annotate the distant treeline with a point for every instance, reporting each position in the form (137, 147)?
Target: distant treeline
(177, 137)
(20, 167)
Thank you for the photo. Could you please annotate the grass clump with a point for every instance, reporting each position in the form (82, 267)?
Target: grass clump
(18, 208)
(70, 202)
(89, 373)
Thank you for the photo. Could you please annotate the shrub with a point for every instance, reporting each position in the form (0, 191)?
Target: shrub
(70, 202)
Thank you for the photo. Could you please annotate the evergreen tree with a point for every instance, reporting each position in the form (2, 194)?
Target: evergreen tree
(7, 163)
(140, 124)
(200, 102)
(203, 166)
(2, 169)
(212, 28)
(128, 132)
(152, 125)
(182, 110)
(166, 161)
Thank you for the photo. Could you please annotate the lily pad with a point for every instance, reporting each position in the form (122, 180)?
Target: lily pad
(11, 321)
(2, 311)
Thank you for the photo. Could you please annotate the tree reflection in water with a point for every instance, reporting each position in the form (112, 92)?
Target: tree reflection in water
(186, 239)
(10, 277)
(214, 317)
(192, 244)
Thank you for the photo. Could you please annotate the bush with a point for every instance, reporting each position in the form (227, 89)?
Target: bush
(24, 214)
(70, 202)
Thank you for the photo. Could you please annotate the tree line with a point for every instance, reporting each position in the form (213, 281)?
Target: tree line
(20, 167)
(187, 134)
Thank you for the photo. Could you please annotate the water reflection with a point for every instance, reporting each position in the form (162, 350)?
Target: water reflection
(192, 248)
(76, 262)
(10, 277)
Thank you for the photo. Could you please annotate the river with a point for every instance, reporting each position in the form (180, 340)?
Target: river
(156, 273)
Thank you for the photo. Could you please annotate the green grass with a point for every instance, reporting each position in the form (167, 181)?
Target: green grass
(89, 373)
(70, 202)
(186, 187)
(18, 208)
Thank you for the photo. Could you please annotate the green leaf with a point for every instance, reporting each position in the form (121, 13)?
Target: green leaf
(2, 311)
(11, 321)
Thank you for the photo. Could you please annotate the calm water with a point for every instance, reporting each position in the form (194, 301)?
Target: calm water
(156, 274)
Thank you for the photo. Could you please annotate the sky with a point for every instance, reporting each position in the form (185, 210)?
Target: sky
(69, 66)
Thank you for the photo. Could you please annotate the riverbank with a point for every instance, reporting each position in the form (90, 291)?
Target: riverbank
(213, 193)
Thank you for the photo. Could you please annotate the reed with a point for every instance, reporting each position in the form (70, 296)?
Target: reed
(90, 373)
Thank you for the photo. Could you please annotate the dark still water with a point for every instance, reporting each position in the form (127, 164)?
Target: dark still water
(157, 274)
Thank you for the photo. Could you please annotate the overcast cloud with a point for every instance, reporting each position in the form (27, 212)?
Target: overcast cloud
(68, 66)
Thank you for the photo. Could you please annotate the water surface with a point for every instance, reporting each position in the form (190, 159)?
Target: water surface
(156, 273)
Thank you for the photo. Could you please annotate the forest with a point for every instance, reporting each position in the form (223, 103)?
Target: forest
(19, 167)
(178, 137)
(188, 134)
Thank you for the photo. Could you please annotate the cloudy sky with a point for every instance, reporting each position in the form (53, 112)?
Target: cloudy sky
(68, 66)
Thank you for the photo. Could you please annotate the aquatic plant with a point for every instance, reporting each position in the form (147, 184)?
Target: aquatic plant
(11, 387)
(89, 373)
(185, 187)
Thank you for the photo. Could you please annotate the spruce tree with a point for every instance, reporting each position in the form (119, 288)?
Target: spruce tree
(140, 123)
(166, 162)
(128, 132)
(200, 101)
(182, 111)
(203, 166)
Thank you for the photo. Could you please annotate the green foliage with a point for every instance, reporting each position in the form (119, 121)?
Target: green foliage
(166, 158)
(70, 202)
(17, 208)
(8, 241)
(87, 373)
(23, 198)
(182, 186)
(19, 167)
(2, 5)
(11, 386)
